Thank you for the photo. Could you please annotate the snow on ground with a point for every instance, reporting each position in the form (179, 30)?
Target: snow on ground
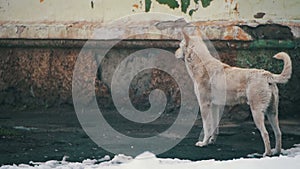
(291, 160)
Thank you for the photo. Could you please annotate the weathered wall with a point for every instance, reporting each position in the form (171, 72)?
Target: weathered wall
(41, 39)
(105, 11)
(39, 73)
(78, 19)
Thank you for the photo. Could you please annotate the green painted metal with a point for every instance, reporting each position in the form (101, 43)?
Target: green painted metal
(273, 44)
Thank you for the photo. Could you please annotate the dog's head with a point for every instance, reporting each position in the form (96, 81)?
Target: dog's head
(182, 51)
(189, 44)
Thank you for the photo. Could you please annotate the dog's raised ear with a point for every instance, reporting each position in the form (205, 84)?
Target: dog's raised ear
(186, 37)
(199, 33)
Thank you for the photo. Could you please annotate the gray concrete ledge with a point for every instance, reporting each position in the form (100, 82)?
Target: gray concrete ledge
(170, 29)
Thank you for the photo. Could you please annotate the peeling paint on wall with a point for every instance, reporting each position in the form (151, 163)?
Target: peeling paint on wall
(135, 6)
(92, 4)
(148, 5)
(171, 3)
(105, 11)
(205, 3)
(184, 4)
(232, 7)
(138, 6)
(269, 31)
(46, 21)
(236, 33)
(259, 15)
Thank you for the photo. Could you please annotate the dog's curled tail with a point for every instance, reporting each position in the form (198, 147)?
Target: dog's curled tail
(286, 73)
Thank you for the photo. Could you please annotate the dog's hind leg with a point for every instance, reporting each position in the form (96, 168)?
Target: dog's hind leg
(259, 97)
(273, 119)
(258, 118)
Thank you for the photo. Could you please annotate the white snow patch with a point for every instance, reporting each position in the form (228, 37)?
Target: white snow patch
(148, 160)
(292, 152)
(25, 128)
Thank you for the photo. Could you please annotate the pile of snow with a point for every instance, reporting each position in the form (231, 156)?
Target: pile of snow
(146, 160)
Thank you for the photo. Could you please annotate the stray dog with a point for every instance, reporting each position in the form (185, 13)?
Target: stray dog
(256, 87)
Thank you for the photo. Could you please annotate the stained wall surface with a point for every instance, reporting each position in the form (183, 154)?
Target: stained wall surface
(105, 11)
(40, 41)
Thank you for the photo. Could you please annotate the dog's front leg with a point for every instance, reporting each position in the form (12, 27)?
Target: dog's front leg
(216, 117)
(206, 114)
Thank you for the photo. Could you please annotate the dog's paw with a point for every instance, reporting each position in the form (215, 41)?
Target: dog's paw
(276, 152)
(201, 144)
(267, 154)
(212, 140)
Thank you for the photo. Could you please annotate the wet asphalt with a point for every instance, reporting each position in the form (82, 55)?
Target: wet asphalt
(51, 134)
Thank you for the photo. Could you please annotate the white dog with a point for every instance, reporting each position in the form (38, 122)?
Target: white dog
(256, 87)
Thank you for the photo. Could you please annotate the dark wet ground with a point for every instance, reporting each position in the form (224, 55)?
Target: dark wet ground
(50, 134)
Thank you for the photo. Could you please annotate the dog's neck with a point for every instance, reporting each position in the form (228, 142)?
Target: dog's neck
(198, 59)
(199, 55)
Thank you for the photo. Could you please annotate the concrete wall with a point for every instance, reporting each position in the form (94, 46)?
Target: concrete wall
(103, 11)
(41, 39)
(78, 19)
